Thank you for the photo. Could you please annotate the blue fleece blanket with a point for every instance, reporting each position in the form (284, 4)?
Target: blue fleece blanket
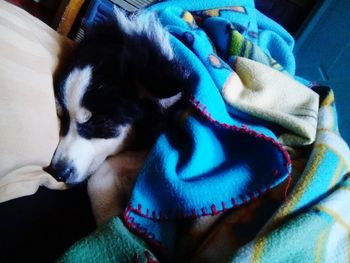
(215, 157)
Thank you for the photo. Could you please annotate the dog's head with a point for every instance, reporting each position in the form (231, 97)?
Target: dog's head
(101, 94)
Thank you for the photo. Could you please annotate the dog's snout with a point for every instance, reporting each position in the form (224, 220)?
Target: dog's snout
(61, 171)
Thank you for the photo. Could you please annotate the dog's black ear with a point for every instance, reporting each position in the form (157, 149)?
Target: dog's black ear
(110, 32)
(165, 77)
(149, 59)
(107, 34)
(166, 81)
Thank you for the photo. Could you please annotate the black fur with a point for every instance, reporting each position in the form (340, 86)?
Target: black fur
(121, 65)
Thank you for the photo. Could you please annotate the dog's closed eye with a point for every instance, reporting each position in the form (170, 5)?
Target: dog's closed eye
(98, 126)
(64, 126)
(99, 119)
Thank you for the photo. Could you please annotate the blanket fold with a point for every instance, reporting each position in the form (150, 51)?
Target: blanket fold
(218, 155)
(252, 93)
(314, 222)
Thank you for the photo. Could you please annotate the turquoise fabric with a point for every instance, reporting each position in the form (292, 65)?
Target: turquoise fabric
(214, 157)
(112, 242)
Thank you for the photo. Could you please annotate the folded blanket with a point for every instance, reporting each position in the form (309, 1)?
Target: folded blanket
(267, 94)
(313, 224)
(217, 155)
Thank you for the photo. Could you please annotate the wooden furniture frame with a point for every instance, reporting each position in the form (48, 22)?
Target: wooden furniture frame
(66, 15)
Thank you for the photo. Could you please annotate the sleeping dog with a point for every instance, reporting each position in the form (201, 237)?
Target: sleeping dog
(116, 92)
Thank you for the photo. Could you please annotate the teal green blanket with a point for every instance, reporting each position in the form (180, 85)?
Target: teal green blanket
(110, 243)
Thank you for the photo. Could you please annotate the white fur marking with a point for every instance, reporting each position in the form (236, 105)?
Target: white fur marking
(83, 115)
(168, 102)
(123, 20)
(146, 24)
(164, 103)
(87, 155)
(75, 88)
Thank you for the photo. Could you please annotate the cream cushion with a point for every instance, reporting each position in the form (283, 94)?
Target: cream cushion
(29, 54)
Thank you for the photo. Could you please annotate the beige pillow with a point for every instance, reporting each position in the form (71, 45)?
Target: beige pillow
(29, 53)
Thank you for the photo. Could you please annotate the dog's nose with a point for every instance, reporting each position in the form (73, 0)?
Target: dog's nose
(61, 170)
